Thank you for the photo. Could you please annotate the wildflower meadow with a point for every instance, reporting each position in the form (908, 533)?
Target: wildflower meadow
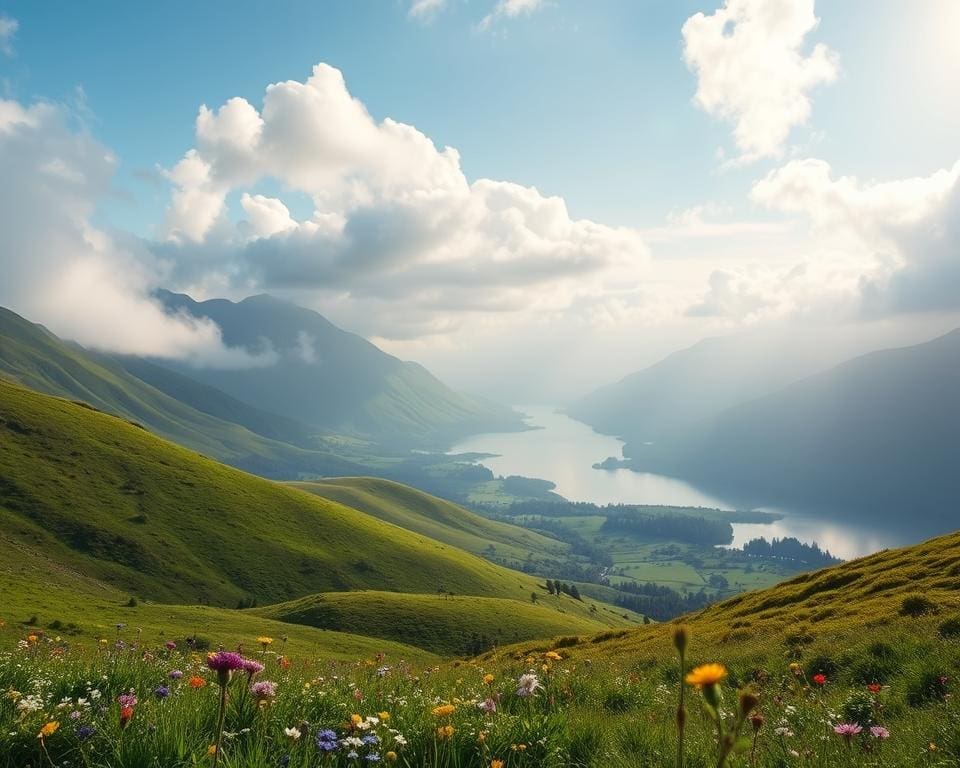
(127, 703)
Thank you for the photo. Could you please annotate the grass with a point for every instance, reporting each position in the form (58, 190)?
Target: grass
(448, 626)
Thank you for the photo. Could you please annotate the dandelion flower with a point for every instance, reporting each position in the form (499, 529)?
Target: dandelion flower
(553, 656)
(488, 679)
(49, 729)
(444, 710)
(706, 674)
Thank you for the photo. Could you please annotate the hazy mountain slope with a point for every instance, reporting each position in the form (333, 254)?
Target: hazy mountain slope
(875, 436)
(333, 379)
(437, 518)
(447, 625)
(701, 381)
(36, 358)
(112, 501)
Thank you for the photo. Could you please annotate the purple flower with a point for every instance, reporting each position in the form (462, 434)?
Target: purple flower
(371, 738)
(161, 692)
(127, 700)
(85, 732)
(327, 740)
(263, 690)
(487, 705)
(879, 732)
(372, 757)
(528, 685)
(847, 730)
(175, 674)
(252, 667)
(225, 661)
(170, 645)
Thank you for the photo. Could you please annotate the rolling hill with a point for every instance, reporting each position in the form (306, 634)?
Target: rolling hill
(872, 438)
(104, 498)
(335, 380)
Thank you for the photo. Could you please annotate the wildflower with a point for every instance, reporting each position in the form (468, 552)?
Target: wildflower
(391, 756)
(795, 668)
(292, 733)
(847, 730)
(284, 662)
(265, 641)
(553, 656)
(127, 700)
(445, 732)
(383, 716)
(252, 668)
(161, 692)
(32, 639)
(126, 715)
(488, 679)
(681, 637)
(175, 674)
(372, 757)
(49, 729)
(819, 678)
(170, 645)
(706, 675)
(85, 732)
(444, 710)
(874, 687)
(197, 682)
(496, 764)
(225, 663)
(326, 740)
(528, 685)
(263, 691)
(212, 750)
(879, 732)
(488, 705)
(370, 739)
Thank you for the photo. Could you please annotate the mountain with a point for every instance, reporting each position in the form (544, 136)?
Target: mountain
(196, 416)
(703, 380)
(103, 498)
(334, 380)
(872, 438)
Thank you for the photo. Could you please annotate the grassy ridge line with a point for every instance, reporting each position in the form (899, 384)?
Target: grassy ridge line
(450, 626)
(112, 501)
(829, 609)
(437, 518)
(33, 585)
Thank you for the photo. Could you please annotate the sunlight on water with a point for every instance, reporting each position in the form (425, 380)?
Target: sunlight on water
(564, 451)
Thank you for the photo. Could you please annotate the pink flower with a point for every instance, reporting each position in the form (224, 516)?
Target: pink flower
(487, 705)
(252, 667)
(847, 730)
(879, 732)
(263, 690)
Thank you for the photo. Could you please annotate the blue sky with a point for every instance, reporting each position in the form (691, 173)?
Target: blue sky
(592, 102)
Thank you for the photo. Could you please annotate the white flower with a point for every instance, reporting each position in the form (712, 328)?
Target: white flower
(528, 685)
(399, 739)
(292, 733)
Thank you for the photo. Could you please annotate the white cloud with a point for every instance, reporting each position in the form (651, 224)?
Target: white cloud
(752, 70)
(425, 9)
(8, 28)
(59, 269)
(510, 9)
(395, 222)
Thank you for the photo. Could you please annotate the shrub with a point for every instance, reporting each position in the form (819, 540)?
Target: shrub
(859, 709)
(917, 605)
(822, 664)
(950, 627)
(930, 685)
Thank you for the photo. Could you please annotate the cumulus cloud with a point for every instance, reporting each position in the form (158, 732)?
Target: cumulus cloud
(875, 247)
(395, 220)
(8, 28)
(425, 9)
(510, 9)
(59, 269)
(752, 71)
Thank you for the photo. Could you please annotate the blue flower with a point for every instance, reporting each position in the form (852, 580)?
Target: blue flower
(373, 757)
(371, 738)
(85, 732)
(327, 740)
(162, 692)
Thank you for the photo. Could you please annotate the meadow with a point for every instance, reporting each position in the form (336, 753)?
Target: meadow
(127, 701)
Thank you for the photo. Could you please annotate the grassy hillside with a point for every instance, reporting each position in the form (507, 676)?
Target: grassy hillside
(33, 356)
(39, 594)
(439, 519)
(447, 625)
(108, 499)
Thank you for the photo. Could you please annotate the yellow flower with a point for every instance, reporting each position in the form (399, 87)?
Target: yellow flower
(391, 756)
(444, 732)
(794, 667)
(49, 729)
(383, 716)
(264, 641)
(706, 674)
(553, 656)
(32, 639)
(13, 695)
(488, 678)
(496, 764)
(212, 750)
(355, 719)
(444, 710)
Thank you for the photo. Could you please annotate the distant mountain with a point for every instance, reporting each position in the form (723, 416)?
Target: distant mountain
(701, 381)
(334, 380)
(877, 436)
(196, 416)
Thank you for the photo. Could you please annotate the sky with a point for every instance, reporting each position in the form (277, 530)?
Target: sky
(531, 197)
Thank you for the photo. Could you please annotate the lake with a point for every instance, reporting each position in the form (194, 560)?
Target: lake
(564, 451)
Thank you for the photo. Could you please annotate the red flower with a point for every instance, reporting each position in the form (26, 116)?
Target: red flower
(874, 687)
(126, 713)
(819, 678)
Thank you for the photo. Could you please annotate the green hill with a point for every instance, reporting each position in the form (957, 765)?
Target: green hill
(105, 498)
(446, 625)
(335, 380)
(37, 359)
(439, 519)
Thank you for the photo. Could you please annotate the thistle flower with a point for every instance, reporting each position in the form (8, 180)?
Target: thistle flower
(487, 705)
(175, 674)
(847, 730)
(879, 732)
(528, 685)
(263, 691)
(170, 645)
(127, 700)
(252, 668)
